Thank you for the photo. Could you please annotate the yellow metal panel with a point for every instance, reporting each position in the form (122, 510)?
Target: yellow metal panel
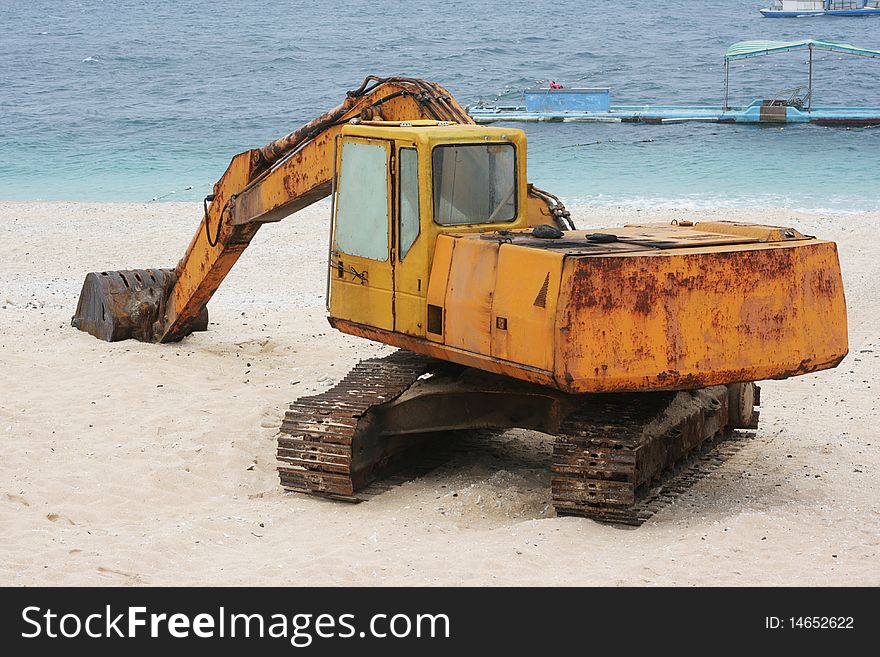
(693, 318)
(367, 299)
(469, 293)
(437, 285)
(409, 311)
(755, 231)
(411, 273)
(443, 352)
(361, 289)
(524, 308)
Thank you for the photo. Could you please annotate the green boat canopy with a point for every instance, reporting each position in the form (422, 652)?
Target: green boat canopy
(745, 49)
(755, 48)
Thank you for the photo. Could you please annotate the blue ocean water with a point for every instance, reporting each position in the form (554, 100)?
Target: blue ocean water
(129, 100)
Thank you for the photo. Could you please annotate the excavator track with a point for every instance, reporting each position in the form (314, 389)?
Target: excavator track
(616, 457)
(319, 443)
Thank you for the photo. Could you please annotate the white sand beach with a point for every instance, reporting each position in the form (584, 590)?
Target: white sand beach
(131, 463)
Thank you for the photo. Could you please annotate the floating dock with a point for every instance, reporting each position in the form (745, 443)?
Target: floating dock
(593, 105)
(758, 112)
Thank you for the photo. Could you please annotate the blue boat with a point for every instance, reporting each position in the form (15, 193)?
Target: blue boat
(788, 106)
(802, 8)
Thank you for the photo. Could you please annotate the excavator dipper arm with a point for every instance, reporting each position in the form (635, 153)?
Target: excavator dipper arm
(259, 186)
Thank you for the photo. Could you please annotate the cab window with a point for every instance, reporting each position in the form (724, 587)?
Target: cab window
(362, 201)
(408, 221)
(474, 183)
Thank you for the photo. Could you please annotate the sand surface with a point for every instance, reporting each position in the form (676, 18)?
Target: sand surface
(132, 463)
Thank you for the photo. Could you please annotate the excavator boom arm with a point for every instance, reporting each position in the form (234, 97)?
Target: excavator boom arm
(267, 184)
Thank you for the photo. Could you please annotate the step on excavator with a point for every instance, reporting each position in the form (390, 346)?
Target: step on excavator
(633, 347)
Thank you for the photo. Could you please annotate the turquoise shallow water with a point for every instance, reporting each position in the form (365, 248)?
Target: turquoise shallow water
(128, 100)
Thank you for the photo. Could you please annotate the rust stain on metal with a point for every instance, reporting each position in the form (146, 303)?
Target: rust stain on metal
(693, 319)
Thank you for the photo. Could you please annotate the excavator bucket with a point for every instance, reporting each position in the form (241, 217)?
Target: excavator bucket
(117, 305)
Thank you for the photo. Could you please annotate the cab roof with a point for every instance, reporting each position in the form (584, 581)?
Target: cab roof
(432, 132)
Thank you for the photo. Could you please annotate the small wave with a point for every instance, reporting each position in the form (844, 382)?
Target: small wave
(90, 59)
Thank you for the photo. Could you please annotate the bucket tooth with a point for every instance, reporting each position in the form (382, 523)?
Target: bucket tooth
(117, 305)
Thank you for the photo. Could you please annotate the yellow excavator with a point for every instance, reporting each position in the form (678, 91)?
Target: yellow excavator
(632, 346)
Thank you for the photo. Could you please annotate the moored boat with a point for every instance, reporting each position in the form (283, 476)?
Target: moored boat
(805, 8)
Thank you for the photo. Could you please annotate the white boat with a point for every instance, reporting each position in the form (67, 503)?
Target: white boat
(800, 8)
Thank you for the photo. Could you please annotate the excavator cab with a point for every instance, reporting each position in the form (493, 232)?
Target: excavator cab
(398, 186)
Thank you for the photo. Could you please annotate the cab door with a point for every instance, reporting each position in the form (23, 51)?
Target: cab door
(361, 264)
(410, 246)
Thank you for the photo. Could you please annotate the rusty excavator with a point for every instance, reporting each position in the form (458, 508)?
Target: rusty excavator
(633, 347)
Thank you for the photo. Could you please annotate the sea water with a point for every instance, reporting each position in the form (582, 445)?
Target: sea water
(130, 100)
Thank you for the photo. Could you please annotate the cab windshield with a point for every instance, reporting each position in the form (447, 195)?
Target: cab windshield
(474, 184)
